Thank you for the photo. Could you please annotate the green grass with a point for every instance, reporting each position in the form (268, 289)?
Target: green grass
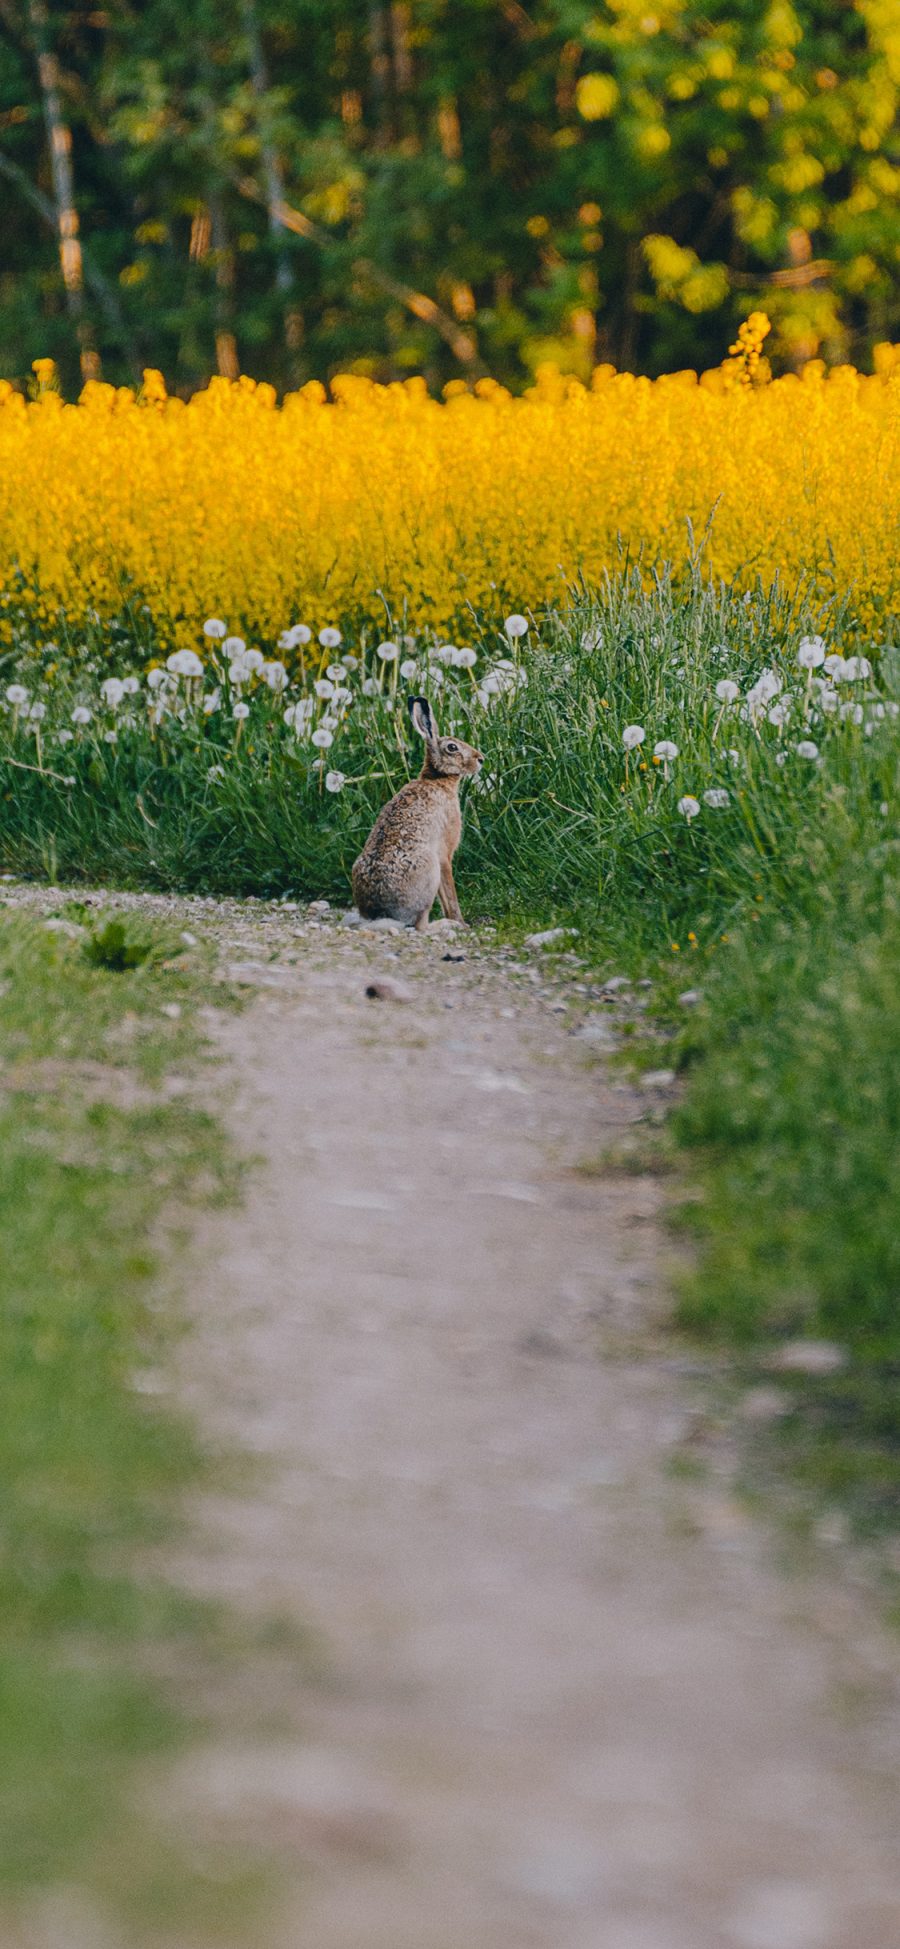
(92, 1155)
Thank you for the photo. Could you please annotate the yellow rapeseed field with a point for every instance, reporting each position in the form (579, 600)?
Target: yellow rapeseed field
(232, 505)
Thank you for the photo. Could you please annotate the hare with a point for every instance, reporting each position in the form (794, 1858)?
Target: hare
(407, 861)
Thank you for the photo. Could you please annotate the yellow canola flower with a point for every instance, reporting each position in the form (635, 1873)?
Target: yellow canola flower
(234, 506)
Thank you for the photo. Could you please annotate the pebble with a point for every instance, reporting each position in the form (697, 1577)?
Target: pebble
(690, 998)
(613, 985)
(319, 907)
(657, 1079)
(385, 925)
(808, 1357)
(597, 1031)
(550, 936)
(453, 955)
(385, 989)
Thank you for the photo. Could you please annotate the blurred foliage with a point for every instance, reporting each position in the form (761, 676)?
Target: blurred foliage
(299, 186)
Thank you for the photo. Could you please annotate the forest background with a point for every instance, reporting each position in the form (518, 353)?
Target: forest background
(453, 187)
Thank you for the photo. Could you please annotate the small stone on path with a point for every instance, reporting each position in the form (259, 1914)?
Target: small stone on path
(809, 1357)
(550, 936)
(385, 989)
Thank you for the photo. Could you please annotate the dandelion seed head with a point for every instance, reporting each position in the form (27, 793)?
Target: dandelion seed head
(632, 736)
(215, 628)
(335, 781)
(295, 637)
(516, 626)
(329, 637)
(689, 807)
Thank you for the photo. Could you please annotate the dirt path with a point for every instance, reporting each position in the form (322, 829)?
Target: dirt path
(567, 1702)
(560, 1698)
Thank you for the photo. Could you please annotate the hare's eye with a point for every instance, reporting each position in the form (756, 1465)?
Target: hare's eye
(451, 747)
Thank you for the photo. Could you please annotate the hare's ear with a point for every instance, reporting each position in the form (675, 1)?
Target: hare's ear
(422, 720)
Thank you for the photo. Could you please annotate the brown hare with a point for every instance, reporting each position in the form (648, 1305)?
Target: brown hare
(407, 861)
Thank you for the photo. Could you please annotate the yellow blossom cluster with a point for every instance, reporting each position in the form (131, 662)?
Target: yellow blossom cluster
(323, 510)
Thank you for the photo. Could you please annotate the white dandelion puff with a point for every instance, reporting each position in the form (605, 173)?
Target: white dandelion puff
(184, 663)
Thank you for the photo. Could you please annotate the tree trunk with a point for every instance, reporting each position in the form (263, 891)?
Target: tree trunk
(273, 174)
(227, 359)
(380, 71)
(59, 140)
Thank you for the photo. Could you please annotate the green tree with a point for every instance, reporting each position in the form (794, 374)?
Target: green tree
(292, 187)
